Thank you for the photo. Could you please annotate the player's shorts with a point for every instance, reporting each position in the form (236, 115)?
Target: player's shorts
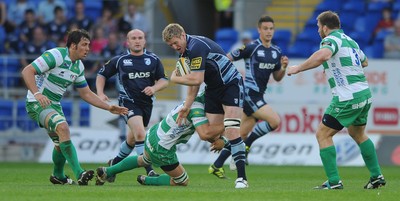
(253, 101)
(135, 109)
(34, 109)
(353, 112)
(228, 95)
(158, 155)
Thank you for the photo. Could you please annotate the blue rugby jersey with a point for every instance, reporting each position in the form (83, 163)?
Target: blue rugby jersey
(260, 63)
(134, 73)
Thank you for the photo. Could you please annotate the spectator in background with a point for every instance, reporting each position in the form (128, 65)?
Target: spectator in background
(135, 19)
(46, 10)
(107, 22)
(34, 48)
(99, 40)
(114, 46)
(16, 11)
(224, 15)
(27, 26)
(80, 18)
(392, 43)
(386, 22)
(58, 27)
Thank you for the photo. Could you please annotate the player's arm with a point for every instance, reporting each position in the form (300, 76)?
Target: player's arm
(159, 85)
(279, 74)
(191, 95)
(86, 94)
(195, 78)
(313, 61)
(106, 71)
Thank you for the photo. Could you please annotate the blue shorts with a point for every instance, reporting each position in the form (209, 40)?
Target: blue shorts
(229, 95)
(253, 101)
(135, 109)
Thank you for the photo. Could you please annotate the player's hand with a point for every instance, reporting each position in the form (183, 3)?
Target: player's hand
(217, 146)
(115, 109)
(183, 113)
(43, 100)
(292, 70)
(103, 97)
(149, 91)
(284, 62)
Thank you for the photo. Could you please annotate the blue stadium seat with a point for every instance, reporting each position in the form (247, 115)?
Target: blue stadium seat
(282, 39)
(254, 33)
(6, 114)
(360, 38)
(93, 9)
(347, 19)
(310, 33)
(24, 122)
(300, 49)
(328, 5)
(67, 106)
(2, 39)
(226, 37)
(84, 114)
(9, 69)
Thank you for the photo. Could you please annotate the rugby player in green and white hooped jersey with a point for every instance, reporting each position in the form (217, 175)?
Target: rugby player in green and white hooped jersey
(343, 63)
(160, 147)
(47, 79)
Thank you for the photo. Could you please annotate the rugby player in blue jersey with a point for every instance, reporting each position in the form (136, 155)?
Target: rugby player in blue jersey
(140, 74)
(262, 59)
(223, 91)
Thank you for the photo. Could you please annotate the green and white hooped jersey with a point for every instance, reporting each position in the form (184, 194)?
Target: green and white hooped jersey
(171, 134)
(56, 73)
(343, 70)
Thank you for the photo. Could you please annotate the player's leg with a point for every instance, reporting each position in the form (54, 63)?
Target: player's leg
(217, 167)
(55, 122)
(271, 121)
(58, 176)
(367, 148)
(175, 176)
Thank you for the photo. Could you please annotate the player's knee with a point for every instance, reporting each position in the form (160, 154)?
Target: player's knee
(181, 180)
(57, 123)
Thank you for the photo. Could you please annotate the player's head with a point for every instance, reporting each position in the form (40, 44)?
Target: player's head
(266, 28)
(136, 41)
(327, 21)
(174, 35)
(78, 43)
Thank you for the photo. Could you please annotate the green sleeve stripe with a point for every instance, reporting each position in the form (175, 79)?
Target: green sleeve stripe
(201, 123)
(36, 68)
(52, 96)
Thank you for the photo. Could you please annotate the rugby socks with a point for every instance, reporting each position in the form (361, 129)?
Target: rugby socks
(328, 157)
(261, 129)
(59, 162)
(162, 180)
(368, 153)
(139, 147)
(128, 163)
(238, 155)
(69, 152)
(225, 153)
(124, 151)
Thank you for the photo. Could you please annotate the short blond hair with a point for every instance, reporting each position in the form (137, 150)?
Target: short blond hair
(171, 31)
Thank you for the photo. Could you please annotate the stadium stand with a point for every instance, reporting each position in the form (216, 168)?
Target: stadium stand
(6, 112)
(226, 37)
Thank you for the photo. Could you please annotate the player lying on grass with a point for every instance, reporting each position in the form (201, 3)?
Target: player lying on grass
(160, 147)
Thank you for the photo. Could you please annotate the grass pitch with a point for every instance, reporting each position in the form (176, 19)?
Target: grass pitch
(30, 181)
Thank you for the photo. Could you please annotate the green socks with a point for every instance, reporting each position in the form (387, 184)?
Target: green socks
(162, 180)
(368, 153)
(69, 152)
(328, 157)
(128, 163)
(59, 162)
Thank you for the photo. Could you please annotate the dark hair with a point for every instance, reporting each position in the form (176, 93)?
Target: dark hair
(57, 9)
(329, 19)
(265, 18)
(75, 36)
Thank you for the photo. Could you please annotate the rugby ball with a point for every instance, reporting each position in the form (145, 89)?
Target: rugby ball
(183, 66)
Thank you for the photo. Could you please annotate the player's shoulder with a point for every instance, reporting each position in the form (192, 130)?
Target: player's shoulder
(276, 48)
(150, 54)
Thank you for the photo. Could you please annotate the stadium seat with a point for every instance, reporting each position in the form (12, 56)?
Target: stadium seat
(254, 33)
(84, 114)
(6, 114)
(2, 39)
(24, 122)
(328, 5)
(360, 38)
(93, 9)
(67, 106)
(282, 39)
(9, 69)
(226, 37)
(300, 49)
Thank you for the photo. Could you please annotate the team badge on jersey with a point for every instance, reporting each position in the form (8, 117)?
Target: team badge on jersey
(235, 52)
(195, 63)
(127, 62)
(147, 61)
(274, 54)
